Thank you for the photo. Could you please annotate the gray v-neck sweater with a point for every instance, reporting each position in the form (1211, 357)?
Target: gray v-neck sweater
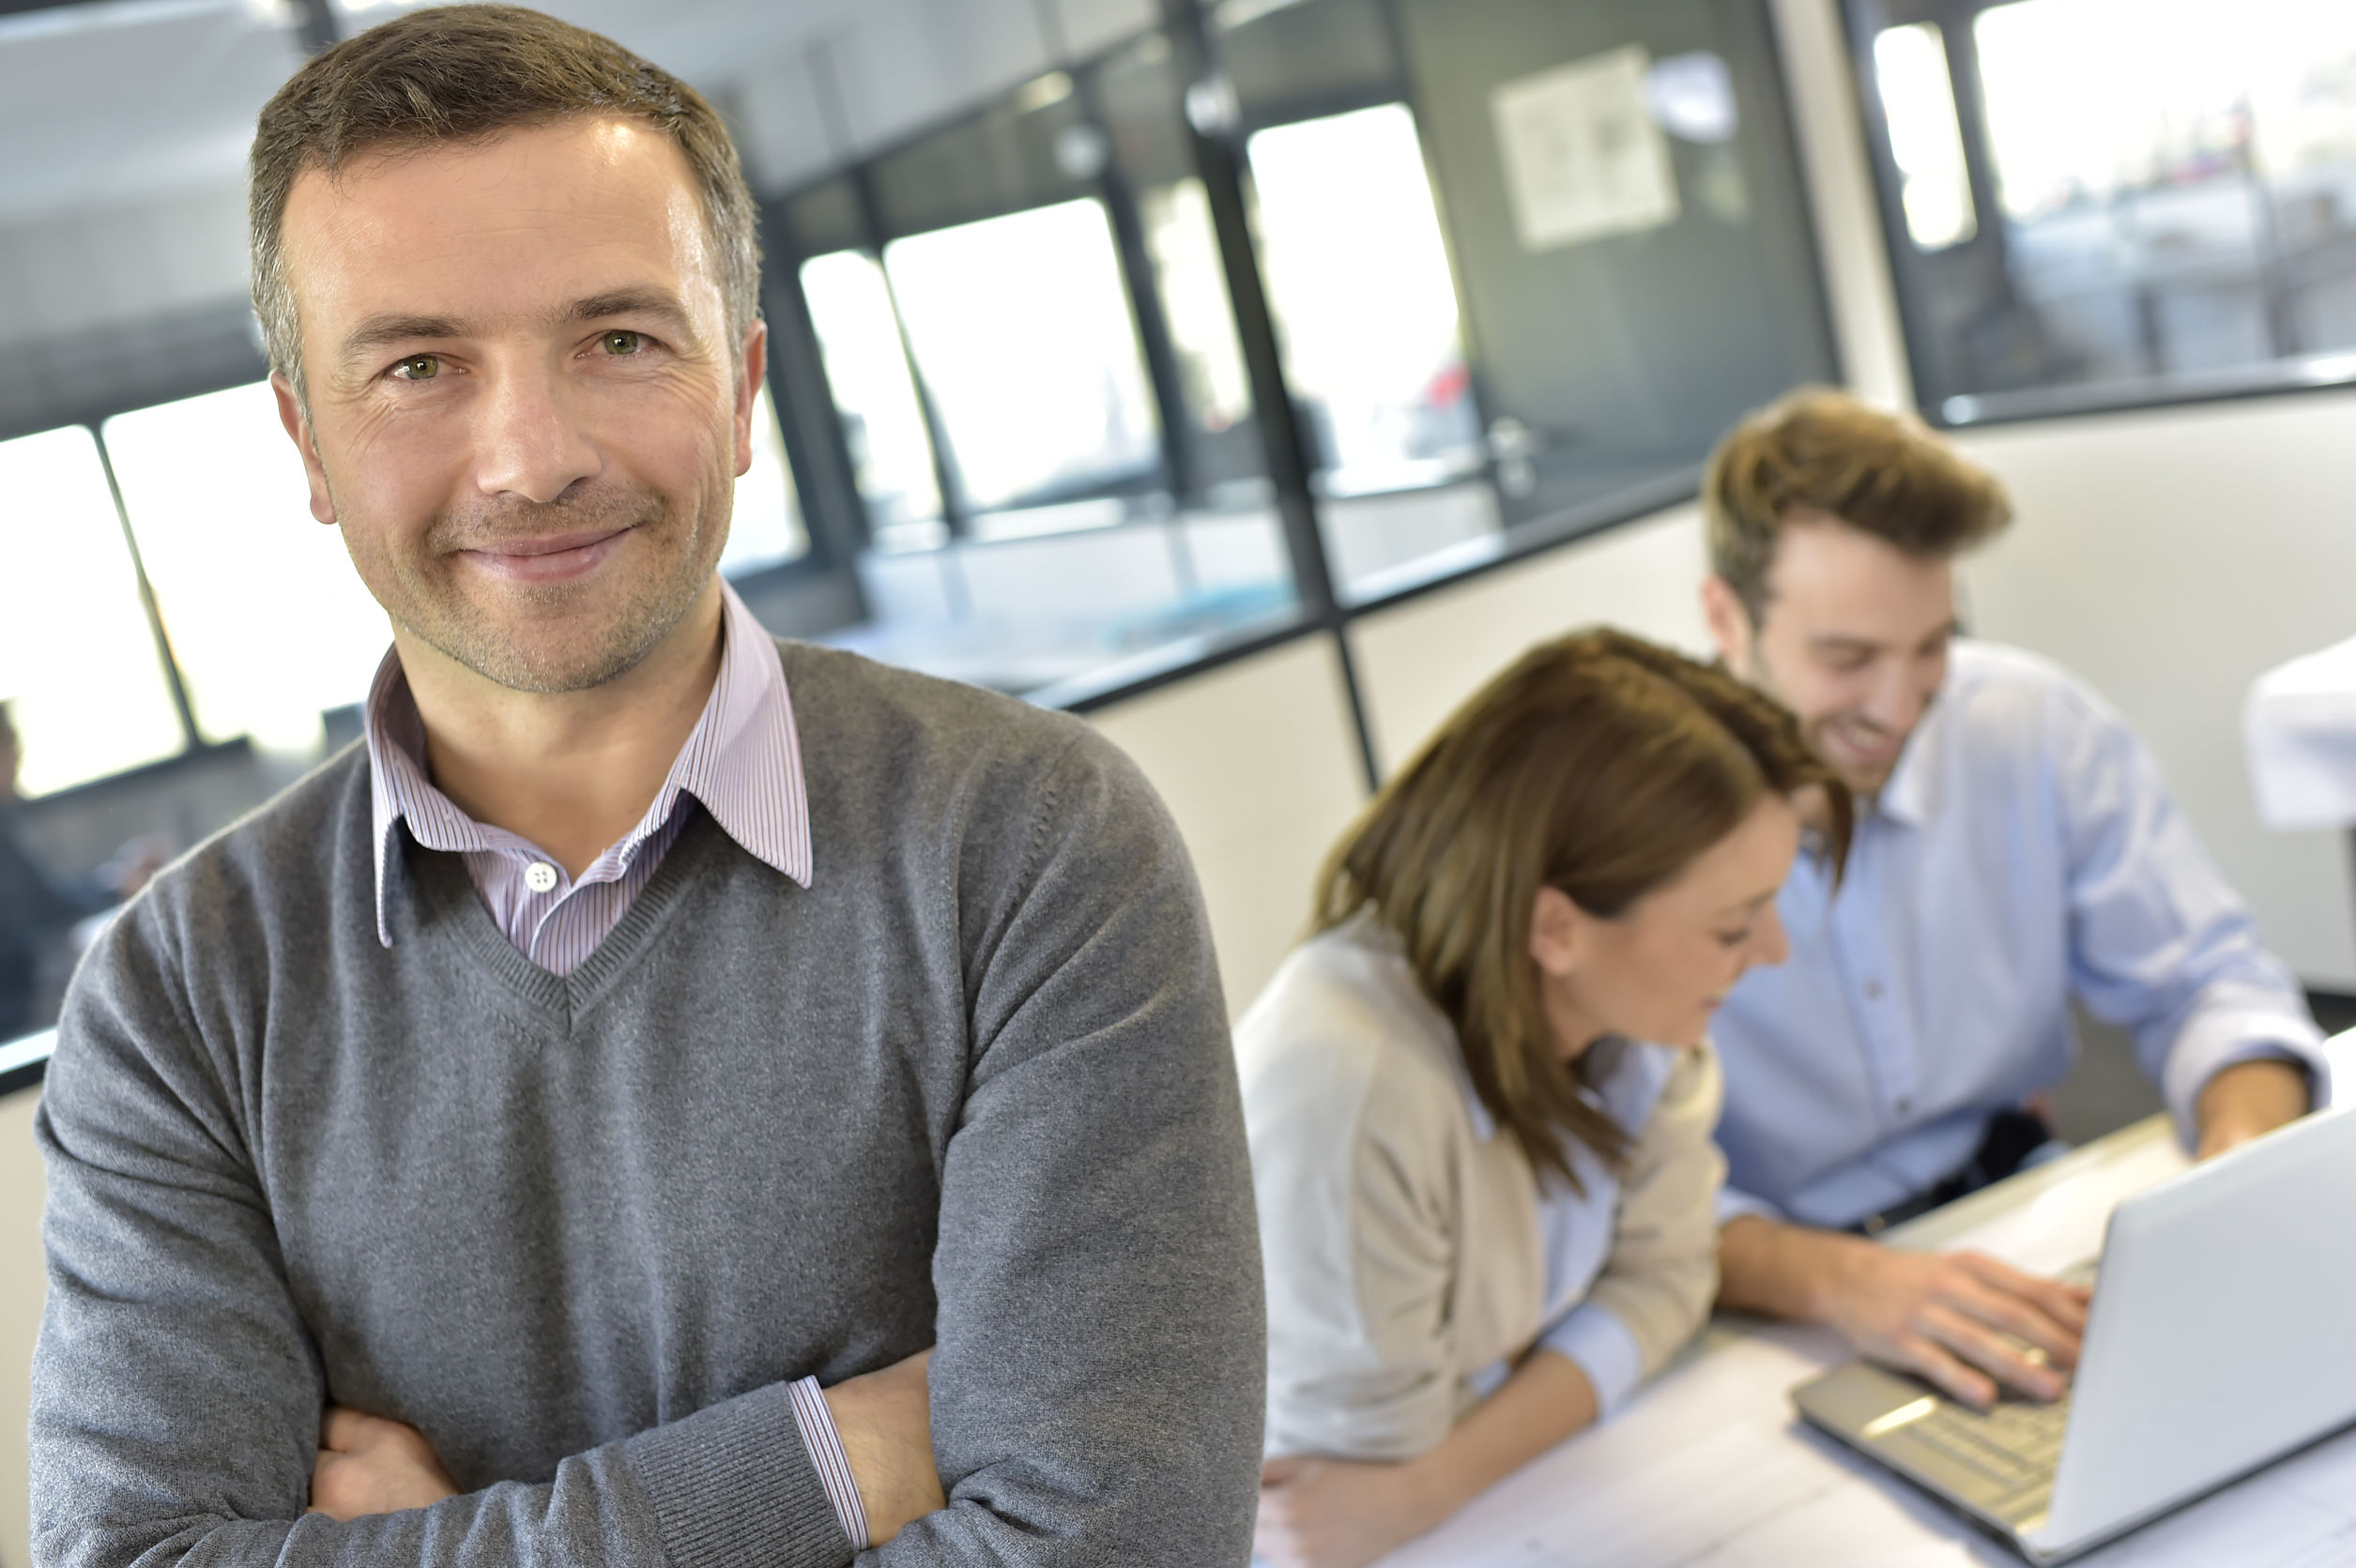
(972, 1086)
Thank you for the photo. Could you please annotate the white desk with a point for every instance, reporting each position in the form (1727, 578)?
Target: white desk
(1709, 1467)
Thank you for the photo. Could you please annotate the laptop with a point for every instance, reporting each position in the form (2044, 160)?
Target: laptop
(2221, 1337)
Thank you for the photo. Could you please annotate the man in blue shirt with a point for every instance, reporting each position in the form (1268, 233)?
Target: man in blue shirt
(2015, 848)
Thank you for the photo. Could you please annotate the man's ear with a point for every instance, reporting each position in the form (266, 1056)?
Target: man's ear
(748, 391)
(1729, 622)
(1559, 934)
(298, 431)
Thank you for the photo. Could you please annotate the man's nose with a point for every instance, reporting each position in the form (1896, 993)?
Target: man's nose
(530, 442)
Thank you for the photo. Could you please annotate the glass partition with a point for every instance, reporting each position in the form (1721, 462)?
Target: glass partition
(766, 528)
(1358, 280)
(2166, 196)
(883, 425)
(1218, 445)
(1021, 330)
(79, 667)
(1917, 99)
(270, 624)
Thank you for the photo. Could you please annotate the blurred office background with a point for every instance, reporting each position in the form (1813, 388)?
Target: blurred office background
(1254, 376)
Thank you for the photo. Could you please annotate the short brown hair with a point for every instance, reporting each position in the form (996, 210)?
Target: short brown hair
(1818, 449)
(463, 74)
(1597, 763)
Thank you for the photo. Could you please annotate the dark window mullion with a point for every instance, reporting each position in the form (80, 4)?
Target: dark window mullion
(1219, 160)
(954, 510)
(192, 739)
(1145, 304)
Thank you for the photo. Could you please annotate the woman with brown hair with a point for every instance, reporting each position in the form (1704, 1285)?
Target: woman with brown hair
(1479, 1095)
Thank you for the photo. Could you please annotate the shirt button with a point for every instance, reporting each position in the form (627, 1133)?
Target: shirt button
(1873, 990)
(540, 877)
(1902, 1105)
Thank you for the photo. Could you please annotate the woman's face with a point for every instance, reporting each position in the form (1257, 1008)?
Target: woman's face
(1659, 969)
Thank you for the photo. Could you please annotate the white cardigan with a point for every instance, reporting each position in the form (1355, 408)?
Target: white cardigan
(1411, 1251)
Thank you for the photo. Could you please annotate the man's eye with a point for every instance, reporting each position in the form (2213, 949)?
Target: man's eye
(418, 367)
(1734, 938)
(622, 343)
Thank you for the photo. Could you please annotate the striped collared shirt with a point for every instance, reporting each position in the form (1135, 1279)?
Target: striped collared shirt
(742, 763)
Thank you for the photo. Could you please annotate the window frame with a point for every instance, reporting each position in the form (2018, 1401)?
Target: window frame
(1863, 20)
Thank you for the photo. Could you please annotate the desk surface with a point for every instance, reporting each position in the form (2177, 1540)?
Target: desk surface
(1709, 1467)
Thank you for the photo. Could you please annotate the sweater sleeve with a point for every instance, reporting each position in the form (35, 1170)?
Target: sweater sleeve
(1662, 1274)
(1099, 1367)
(1357, 1213)
(177, 1392)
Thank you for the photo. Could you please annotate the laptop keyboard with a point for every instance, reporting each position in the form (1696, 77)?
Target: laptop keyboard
(2015, 1445)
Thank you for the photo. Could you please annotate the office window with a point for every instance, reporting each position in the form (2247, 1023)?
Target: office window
(1358, 279)
(1186, 253)
(883, 425)
(1050, 275)
(1218, 453)
(1918, 102)
(2166, 196)
(766, 528)
(1021, 331)
(268, 622)
(78, 661)
(1528, 261)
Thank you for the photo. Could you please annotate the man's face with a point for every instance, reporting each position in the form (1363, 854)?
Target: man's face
(1852, 641)
(525, 411)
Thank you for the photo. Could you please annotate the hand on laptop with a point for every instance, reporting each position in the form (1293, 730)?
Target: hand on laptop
(1958, 1319)
(885, 1419)
(371, 1465)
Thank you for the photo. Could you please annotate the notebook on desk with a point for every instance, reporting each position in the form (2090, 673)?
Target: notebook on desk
(2221, 1337)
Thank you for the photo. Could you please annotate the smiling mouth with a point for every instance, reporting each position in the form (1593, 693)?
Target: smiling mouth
(1875, 746)
(550, 557)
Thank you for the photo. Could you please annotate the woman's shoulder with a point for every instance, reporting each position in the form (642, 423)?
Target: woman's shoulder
(1343, 1039)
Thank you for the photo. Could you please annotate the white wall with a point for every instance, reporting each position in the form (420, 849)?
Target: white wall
(2169, 557)
(24, 1284)
(1257, 763)
(1419, 660)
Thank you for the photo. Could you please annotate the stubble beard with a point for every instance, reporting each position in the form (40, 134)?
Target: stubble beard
(1761, 675)
(608, 629)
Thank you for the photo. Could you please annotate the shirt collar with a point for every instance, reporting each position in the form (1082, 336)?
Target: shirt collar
(742, 762)
(1911, 795)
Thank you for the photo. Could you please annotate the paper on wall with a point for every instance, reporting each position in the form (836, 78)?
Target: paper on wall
(1582, 155)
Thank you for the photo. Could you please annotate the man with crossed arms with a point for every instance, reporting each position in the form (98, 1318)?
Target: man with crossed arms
(558, 1131)
(2015, 847)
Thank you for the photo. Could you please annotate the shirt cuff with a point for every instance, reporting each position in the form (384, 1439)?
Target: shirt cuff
(826, 1455)
(1734, 1203)
(728, 1488)
(2217, 1042)
(1594, 1339)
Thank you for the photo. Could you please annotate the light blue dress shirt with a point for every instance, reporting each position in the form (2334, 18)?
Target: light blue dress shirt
(1576, 1232)
(2025, 851)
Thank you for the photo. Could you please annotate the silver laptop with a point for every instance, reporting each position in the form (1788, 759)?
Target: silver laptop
(2221, 1337)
